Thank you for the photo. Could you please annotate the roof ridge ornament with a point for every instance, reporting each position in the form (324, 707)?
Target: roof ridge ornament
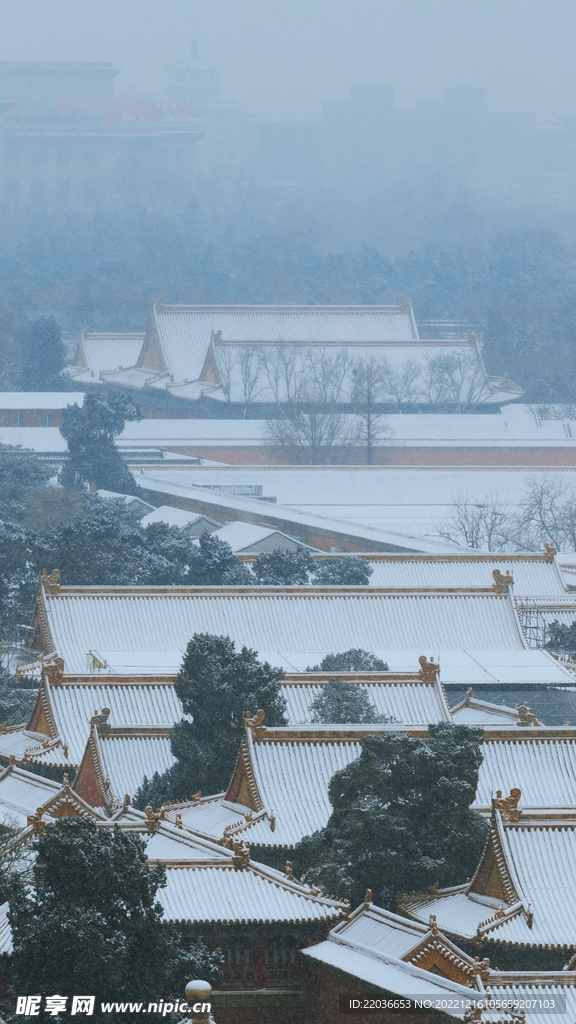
(50, 581)
(100, 720)
(240, 854)
(53, 671)
(508, 805)
(468, 697)
(255, 723)
(525, 715)
(502, 581)
(550, 552)
(429, 669)
(35, 820)
(481, 968)
(154, 818)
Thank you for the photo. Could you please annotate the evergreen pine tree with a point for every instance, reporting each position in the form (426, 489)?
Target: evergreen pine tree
(92, 925)
(401, 817)
(90, 432)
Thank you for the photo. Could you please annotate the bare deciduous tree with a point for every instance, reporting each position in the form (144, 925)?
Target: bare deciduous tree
(249, 364)
(545, 513)
(400, 384)
(327, 372)
(314, 438)
(367, 395)
(485, 523)
(282, 366)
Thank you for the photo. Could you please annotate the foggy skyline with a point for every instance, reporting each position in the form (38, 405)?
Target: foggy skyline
(290, 58)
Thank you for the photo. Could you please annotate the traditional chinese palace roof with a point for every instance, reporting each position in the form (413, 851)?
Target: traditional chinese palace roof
(288, 626)
(194, 350)
(279, 789)
(522, 893)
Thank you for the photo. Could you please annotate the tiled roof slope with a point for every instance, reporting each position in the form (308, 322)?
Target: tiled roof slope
(523, 892)
(63, 713)
(102, 352)
(295, 620)
(540, 762)
(206, 883)
(411, 702)
(279, 789)
(181, 326)
(408, 500)
(534, 575)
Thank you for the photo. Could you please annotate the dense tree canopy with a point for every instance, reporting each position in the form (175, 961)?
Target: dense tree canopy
(94, 908)
(93, 458)
(401, 817)
(342, 572)
(297, 568)
(43, 356)
(354, 660)
(341, 702)
(217, 684)
(283, 568)
(21, 476)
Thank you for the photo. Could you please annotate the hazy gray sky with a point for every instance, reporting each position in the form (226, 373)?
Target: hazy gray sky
(290, 55)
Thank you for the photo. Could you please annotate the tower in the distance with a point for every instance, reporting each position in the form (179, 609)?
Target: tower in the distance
(194, 82)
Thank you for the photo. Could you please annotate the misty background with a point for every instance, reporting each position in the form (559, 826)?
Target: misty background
(303, 153)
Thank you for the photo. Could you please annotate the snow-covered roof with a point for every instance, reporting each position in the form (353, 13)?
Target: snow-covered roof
(205, 883)
(473, 711)
(386, 971)
(45, 400)
(533, 901)
(375, 939)
(36, 439)
(408, 701)
(541, 762)
(101, 352)
(243, 536)
(184, 328)
(219, 894)
(234, 500)
(260, 369)
(22, 793)
(127, 757)
(413, 501)
(303, 624)
(174, 517)
(534, 575)
(476, 668)
(515, 426)
(140, 706)
(287, 771)
(193, 432)
(186, 352)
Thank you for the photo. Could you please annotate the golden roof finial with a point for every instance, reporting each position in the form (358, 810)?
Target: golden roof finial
(241, 855)
(525, 715)
(428, 669)
(50, 581)
(255, 723)
(502, 581)
(508, 805)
